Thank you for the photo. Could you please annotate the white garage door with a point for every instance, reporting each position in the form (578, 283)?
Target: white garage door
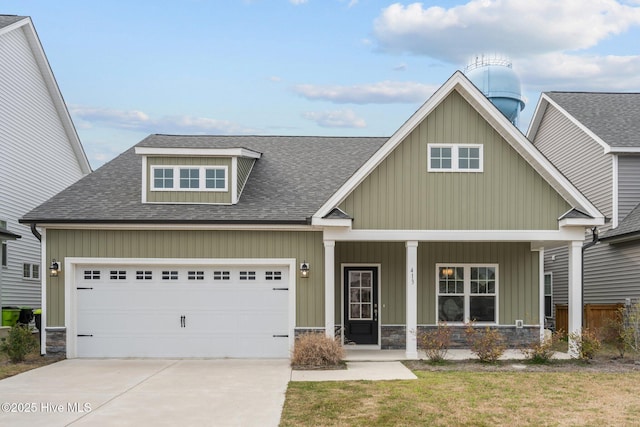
(186, 311)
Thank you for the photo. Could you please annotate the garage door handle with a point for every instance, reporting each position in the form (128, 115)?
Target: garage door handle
(183, 321)
(85, 335)
(280, 289)
(281, 336)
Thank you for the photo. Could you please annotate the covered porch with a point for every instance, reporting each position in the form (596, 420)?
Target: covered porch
(380, 292)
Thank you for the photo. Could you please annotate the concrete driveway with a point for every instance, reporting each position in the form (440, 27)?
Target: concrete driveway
(97, 392)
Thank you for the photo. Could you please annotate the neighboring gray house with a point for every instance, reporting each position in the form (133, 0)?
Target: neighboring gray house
(594, 140)
(41, 154)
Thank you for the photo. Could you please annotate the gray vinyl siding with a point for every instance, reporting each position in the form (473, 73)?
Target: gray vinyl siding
(628, 184)
(244, 169)
(301, 245)
(581, 159)
(37, 160)
(518, 276)
(223, 197)
(611, 273)
(402, 194)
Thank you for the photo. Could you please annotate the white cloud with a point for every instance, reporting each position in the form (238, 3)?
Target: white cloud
(400, 67)
(87, 117)
(335, 119)
(559, 71)
(386, 92)
(518, 28)
(297, 2)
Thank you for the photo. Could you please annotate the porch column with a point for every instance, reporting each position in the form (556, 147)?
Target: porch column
(412, 300)
(575, 293)
(329, 287)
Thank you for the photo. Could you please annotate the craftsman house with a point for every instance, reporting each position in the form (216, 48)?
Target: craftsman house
(229, 246)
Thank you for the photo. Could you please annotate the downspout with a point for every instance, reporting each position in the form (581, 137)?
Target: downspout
(36, 232)
(594, 240)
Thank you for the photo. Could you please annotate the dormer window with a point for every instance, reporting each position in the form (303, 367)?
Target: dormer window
(202, 178)
(195, 175)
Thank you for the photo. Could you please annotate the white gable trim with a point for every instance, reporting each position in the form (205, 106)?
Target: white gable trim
(54, 90)
(493, 116)
(541, 108)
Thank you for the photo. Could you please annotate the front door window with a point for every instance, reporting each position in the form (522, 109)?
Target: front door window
(360, 291)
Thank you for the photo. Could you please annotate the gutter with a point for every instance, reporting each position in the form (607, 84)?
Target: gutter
(594, 240)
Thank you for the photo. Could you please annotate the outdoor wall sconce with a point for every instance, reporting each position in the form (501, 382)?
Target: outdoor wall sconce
(55, 268)
(305, 270)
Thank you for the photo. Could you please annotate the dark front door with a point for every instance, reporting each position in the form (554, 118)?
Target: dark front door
(361, 305)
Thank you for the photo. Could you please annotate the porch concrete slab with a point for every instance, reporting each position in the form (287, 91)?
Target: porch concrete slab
(356, 371)
(225, 392)
(452, 354)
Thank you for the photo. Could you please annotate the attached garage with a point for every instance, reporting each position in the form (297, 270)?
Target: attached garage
(180, 308)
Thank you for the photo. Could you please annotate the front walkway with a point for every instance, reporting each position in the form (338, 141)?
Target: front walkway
(375, 365)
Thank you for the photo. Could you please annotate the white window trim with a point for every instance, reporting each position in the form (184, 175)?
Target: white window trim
(455, 148)
(467, 291)
(201, 177)
(31, 277)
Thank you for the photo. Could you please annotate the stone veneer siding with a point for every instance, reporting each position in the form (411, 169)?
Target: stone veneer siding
(394, 337)
(56, 341)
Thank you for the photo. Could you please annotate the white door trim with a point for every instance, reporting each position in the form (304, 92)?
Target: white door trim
(71, 300)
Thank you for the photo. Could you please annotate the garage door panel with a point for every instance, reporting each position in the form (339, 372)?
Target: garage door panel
(124, 316)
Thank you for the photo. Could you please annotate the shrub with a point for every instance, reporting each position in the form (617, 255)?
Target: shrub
(615, 333)
(18, 343)
(316, 350)
(632, 326)
(543, 351)
(435, 342)
(586, 344)
(487, 344)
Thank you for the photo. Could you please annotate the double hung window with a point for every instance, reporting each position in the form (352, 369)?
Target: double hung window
(454, 157)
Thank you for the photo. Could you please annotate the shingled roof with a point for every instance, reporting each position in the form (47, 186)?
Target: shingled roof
(628, 229)
(614, 117)
(288, 184)
(6, 20)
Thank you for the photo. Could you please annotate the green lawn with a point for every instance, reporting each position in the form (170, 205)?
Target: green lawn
(457, 398)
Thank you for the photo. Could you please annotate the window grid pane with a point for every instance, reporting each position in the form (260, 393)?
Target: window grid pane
(189, 178)
(163, 178)
(215, 178)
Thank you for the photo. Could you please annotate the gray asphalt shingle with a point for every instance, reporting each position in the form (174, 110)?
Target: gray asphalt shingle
(614, 117)
(6, 20)
(629, 226)
(288, 184)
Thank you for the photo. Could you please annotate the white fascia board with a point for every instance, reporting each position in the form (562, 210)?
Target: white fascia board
(324, 222)
(564, 234)
(490, 113)
(54, 91)
(185, 226)
(581, 222)
(538, 114)
(623, 150)
(182, 152)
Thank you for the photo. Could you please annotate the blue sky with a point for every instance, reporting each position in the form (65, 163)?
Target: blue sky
(316, 67)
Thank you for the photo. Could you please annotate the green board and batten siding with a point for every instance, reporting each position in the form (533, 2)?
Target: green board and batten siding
(302, 245)
(518, 276)
(188, 196)
(508, 195)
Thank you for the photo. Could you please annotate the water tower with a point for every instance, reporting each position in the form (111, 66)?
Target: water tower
(497, 80)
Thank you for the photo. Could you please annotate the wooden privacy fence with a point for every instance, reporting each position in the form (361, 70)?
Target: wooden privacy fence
(595, 315)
